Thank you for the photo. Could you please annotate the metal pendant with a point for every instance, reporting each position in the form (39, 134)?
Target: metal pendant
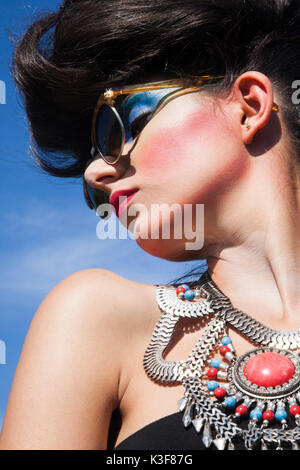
(204, 407)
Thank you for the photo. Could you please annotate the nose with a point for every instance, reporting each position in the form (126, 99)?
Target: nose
(99, 174)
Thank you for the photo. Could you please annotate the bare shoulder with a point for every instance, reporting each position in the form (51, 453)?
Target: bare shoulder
(105, 294)
(99, 303)
(67, 382)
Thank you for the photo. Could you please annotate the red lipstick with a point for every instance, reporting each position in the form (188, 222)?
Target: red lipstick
(114, 199)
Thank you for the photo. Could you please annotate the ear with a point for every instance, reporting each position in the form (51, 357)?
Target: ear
(254, 91)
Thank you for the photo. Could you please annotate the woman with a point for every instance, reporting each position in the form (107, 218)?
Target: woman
(222, 130)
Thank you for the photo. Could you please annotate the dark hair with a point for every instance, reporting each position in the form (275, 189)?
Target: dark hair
(66, 58)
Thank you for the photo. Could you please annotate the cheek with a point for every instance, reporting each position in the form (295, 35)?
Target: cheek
(198, 154)
(168, 145)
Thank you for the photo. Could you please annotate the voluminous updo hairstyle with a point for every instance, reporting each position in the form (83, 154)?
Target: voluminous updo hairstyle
(66, 58)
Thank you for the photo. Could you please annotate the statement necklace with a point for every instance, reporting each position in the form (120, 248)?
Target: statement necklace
(261, 386)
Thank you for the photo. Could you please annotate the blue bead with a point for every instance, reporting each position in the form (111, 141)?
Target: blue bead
(226, 340)
(185, 286)
(280, 415)
(212, 385)
(256, 413)
(230, 402)
(215, 363)
(189, 295)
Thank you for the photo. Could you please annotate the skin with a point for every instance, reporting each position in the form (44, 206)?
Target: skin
(198, 150)
(83, 354)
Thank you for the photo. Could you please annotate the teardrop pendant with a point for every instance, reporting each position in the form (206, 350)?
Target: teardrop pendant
(207, 435)
(198, 423)
(220, 443)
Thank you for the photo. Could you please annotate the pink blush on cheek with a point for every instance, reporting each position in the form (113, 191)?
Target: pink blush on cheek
(167, 146)
(160, 154)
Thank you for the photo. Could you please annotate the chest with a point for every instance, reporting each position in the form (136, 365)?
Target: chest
(145, 400)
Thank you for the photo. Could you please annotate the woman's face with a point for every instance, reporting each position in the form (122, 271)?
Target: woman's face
(188, 153)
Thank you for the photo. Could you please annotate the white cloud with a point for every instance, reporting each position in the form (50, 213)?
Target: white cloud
(44, 245)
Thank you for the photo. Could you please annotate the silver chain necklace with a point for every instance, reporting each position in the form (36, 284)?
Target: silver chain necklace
(221, 392)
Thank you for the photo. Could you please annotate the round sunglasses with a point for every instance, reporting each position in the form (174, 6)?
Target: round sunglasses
(120, 115)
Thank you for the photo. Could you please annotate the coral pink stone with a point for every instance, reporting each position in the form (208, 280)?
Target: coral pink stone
(269, 369)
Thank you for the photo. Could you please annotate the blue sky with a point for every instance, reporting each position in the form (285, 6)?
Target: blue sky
(47, 231)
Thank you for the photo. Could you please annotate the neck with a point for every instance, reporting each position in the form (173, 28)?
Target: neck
(260, 271)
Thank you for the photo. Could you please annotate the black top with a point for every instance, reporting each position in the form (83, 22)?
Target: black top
(167, 433)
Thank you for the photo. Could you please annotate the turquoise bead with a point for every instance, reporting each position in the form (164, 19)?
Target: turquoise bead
(189, 295)
(226, 340)
(230, 402)
(215, 363)
(256, 413)
(185, 286)
(280, 415)
(212, 385)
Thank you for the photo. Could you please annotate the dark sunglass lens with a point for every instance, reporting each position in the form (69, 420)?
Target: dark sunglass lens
(109, 133)
(96, 197)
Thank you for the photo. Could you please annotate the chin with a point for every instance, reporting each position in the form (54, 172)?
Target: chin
(170, 250)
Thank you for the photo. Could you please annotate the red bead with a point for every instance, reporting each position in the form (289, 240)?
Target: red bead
(268, 415)
(180, 289)
(295, 410)
(269, 369)
(212, 373)
(224, 350)
(220, 392)
(242, 410)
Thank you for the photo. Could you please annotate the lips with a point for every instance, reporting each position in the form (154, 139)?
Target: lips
(114, 199)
